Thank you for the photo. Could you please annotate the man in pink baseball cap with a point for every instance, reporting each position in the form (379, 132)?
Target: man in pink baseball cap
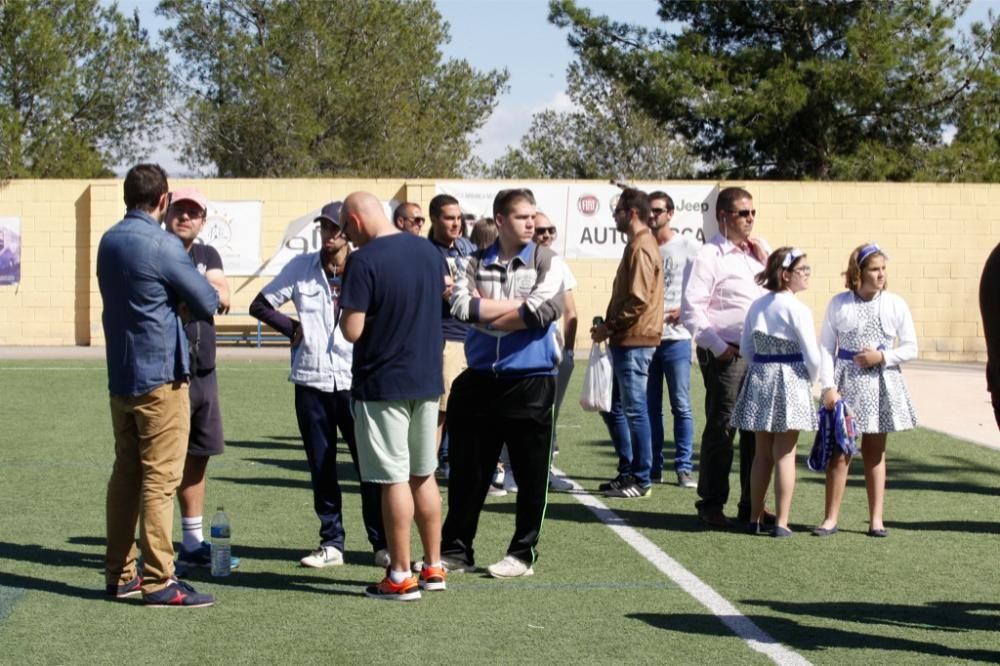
(185, 219)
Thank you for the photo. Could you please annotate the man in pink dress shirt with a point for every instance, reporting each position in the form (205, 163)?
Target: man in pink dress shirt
(716, 296)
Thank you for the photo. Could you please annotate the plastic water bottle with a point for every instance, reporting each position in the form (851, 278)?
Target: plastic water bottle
(221, 552)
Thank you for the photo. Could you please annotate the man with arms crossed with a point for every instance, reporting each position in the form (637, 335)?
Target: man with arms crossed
(185, 219)
(393, 284)
(144, 274)
(513, 295)
(672, 359)
(715, 300)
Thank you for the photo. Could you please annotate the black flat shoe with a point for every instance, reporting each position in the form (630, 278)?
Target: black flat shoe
(825, 531)
(756, 529)
(781, 531)
(878, 533)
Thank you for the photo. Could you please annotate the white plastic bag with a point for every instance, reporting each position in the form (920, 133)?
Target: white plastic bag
(597, 381)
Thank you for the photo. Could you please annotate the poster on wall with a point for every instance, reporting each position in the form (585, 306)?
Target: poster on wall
(301, 236)
(10, 250)
(233, 229)
(582, 212)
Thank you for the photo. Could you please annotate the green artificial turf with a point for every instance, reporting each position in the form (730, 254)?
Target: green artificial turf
(930, 593)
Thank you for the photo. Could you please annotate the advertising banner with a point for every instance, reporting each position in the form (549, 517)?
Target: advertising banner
(233, 229)
(582, 212)
(10, 250)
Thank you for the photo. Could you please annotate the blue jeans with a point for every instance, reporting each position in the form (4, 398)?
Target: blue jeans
(618, 430)
(671, 361)
(631, 370)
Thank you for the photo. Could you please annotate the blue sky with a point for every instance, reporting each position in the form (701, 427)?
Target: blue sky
(511, 34)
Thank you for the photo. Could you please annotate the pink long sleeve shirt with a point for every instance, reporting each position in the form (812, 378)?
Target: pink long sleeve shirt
(719, 289)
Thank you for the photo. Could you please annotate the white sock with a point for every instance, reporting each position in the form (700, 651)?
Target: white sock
(398, 577)
(191, 528)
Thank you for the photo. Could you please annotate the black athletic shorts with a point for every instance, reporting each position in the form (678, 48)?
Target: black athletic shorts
(206, 416)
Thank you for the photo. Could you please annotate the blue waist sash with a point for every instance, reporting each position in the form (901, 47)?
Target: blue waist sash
(777, 358)
(848, 355)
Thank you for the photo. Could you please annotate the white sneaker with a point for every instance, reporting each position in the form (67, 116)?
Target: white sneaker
(509, 484)
(382, 559)
(325, 556)
(559, 483)
(510, 567)
(493, 491)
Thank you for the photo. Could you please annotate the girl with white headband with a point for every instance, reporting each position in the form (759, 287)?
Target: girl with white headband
(860, 363)
(775, 401)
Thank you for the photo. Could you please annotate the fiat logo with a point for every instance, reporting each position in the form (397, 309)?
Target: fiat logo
(588, 204)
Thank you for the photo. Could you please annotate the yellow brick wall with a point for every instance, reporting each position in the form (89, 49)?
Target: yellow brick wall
(937, 236)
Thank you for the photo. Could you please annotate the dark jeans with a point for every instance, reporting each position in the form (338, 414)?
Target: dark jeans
(722, 385)
(484, 413)
(320, 414)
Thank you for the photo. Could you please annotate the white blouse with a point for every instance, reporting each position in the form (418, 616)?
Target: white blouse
(784, 316)
(894, 317)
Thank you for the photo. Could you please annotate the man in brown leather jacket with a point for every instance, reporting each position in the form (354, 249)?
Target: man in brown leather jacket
(632, 327)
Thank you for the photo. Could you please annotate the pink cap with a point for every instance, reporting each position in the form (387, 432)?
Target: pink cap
(189, 194)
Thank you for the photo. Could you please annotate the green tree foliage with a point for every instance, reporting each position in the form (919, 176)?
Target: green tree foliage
(80, 89)
(974, 152)
(607, 136)
(346, 88)
(818, 89)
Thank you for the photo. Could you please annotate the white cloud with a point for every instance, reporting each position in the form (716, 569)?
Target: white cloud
(509, 122)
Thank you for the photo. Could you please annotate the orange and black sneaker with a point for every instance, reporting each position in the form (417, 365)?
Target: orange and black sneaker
(408, 590)
(432, 578)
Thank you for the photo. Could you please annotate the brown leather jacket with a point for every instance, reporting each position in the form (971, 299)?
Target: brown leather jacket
(635, 312)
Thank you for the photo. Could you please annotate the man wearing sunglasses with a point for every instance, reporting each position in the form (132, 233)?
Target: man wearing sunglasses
(408, 217)
(715, 300)
(185, 219)
(672, 359)
(633, 321)
(545, 235)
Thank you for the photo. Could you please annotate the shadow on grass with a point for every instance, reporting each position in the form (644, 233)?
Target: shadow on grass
(259, 444)
(798, 637)
(265, 580)
(968, 526)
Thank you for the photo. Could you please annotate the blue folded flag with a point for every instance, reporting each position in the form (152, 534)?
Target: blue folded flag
(836, 429)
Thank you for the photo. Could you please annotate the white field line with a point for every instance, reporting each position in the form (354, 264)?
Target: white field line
(727, 613)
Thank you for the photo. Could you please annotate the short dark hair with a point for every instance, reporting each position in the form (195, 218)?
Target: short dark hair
(505, 200)
(660, 194)
(771, 277)
(402, 210)
(144, 185)
(439, 202)
(728, 197)
(637, 199)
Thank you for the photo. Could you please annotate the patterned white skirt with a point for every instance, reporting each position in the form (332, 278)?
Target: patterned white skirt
(877, 395)
(775, 396)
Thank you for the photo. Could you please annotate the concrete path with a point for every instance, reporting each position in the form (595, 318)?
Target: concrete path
(949, 397)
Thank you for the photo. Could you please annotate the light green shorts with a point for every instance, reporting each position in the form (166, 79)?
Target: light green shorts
(396, 439)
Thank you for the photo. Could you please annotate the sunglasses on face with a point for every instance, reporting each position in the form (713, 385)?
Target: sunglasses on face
(660, 211)
(745, 212)
(545, 230)
(193, 212)
(415, 220)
